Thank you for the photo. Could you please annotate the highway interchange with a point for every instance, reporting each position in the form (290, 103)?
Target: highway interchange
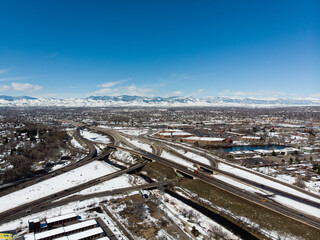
(204, 174)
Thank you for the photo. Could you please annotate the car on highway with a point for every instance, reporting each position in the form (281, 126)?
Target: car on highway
(39, 179)
(28, 211)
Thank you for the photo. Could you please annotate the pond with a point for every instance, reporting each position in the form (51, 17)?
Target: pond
(254, 147)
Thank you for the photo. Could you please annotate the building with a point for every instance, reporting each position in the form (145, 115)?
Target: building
(174, 135)
(64, 228)
(251, 138)
(204, 140)
(60, 220)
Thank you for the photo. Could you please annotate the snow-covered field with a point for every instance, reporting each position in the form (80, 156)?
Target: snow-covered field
(314, 186)
(118, 182)
(76, 144)
(193, 156)
(132, 131)
(176, 159)
(58, 166)
(139, 144)
(175, 208)
(95, 136)
(123, 156)
(59, 183)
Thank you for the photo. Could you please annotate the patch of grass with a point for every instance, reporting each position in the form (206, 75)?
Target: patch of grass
(266, 218)
(159, 171)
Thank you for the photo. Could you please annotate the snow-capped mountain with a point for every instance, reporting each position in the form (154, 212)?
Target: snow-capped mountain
(125, 100)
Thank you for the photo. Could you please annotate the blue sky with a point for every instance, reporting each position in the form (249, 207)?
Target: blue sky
(160, 48)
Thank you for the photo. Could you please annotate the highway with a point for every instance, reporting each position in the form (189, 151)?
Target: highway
(274, 206)
(207, 155)
(69, 191)
(202, 176)
(237, 191)
(214, 168)
(39, 207)
(246, 181)
(118, 138)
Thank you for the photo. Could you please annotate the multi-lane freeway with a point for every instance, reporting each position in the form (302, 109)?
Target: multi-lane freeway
(39, 207)
(274, 206)
(157, 149)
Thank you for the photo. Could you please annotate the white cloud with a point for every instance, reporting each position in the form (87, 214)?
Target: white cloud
(317, 95)
(109, 89)
(25, 87)
(201, 90)
(14, 78)
(260, 93)
(20, 87)
(5, 88)
(2, 71)
(124, 90)
(111, 84)
(177, 93)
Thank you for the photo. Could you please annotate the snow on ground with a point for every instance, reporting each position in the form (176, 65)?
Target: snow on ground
(100, 147)
(79, 207)
(298, 206)
(58, 166)
(313, 186)
(239, 184)
(123, 156)
(273, 234)
(201, 222)
(139, 144)
(286, 178)
(133, 131)
(118, 182)
(95, 136)
(59, 183)
(76, 144)
(265, 170)
(264, 181)
(176, 159)
(198, 158)
(193, 156)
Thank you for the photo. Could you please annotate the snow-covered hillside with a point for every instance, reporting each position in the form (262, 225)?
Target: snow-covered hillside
(124, 100)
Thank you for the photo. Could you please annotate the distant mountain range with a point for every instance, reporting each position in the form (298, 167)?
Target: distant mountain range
(125, 100)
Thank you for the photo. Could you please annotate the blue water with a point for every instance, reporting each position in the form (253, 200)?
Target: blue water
(251, 148)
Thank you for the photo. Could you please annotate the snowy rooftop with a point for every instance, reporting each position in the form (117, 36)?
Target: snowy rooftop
(62, 238)
(88, 233)
(205, 139)
(60, 218)
(49, 233)
(80, 225)
(29, 236)
(34, 220)
(250, 137)
(176, 134)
